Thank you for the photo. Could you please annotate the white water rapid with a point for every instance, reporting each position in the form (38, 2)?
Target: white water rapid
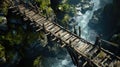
(87, 33)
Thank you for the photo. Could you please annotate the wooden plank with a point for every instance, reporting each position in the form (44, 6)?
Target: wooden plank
(49, 27)
(39, 20)
(73, 38)
(35, 16)
(43, 21)
(88, 49)
(57, 29)
(54, 29)
(30, 14)
(104, 61)
(83, 47)
(26, 10)
(59, 33)
(75, 41)
(80, 46)
(47, 24)
(94, 50)
(63, 34)
(38, 17)
(84, 64)
(21, 8)
(67, 37)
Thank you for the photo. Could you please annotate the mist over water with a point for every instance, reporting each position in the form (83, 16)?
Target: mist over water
(86, 32)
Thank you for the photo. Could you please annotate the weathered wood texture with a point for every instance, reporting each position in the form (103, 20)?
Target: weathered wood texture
(98, 57)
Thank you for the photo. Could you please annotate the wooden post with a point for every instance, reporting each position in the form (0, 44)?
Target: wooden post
(44, 28)
(98, 42)
(73, 56)
(79, 31)
(66, 26)
(75, 30)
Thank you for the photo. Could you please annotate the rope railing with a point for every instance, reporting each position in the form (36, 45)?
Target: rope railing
(108, 42)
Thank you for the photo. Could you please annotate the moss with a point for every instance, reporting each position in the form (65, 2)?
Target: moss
(43, 38)
(1, 19)
(14, 37)
(44, 6)
(65, 19)
(37, 62)
(64, 7)
(4, 7)
(101, 54)
(2, 54)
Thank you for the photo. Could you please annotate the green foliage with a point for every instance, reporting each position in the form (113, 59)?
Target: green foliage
(2, 53)
(15, 37)
(63, 10)
(67, 8)
(64, 7)
(4, 7)
(1, 19)
(44, 6)
(37, 61)
(65, 18)
(43, 38)
(102, 54)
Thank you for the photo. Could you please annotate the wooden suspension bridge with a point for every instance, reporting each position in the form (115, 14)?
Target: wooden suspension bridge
(83, 53)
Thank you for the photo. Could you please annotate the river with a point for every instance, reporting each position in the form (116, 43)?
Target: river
(62, 58)
(87, 33)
